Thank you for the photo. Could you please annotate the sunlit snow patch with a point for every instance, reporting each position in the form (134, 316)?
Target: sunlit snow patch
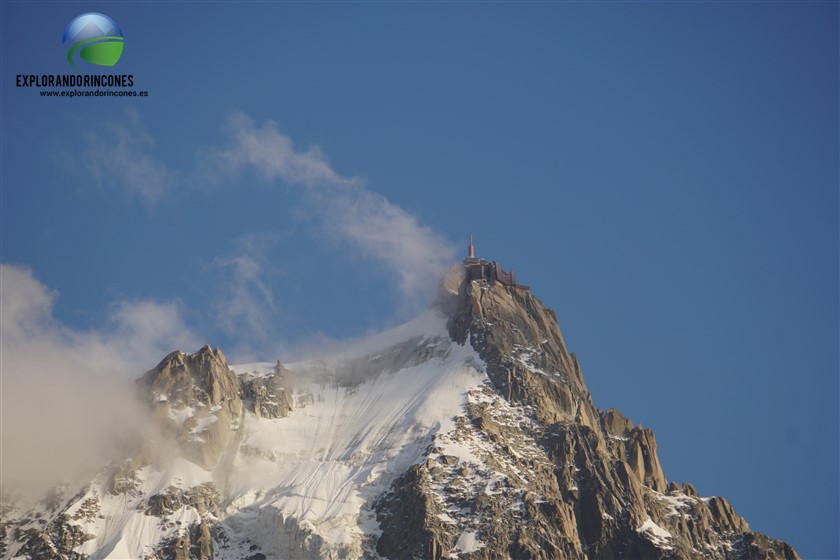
(655, 534)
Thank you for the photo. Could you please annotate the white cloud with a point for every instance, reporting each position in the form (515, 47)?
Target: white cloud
(414, 253)
(67, 395)
(274, 155)
(380, 230)
(411, 253)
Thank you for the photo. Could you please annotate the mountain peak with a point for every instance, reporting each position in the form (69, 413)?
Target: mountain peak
(605, 468)
(197, 397)
(520, 341)
(467, 432)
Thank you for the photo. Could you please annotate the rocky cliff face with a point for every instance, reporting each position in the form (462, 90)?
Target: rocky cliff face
(196, 398)
(463, 434)
(554, 477)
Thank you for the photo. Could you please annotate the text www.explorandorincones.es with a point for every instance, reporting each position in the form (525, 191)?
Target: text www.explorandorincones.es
(94, 93)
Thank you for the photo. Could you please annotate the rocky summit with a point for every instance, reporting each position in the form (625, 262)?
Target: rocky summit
(466, 433)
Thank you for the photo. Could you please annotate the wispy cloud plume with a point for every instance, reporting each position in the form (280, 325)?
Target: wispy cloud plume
(67, 394)
(413, 254)
(275, 156)
(378, 229)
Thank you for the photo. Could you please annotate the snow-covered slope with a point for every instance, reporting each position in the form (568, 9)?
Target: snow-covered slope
(359, 420)
(301, 485)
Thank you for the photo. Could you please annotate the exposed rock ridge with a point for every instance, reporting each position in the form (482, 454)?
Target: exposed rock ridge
(556, 477)
(268, 396)
(197, 398)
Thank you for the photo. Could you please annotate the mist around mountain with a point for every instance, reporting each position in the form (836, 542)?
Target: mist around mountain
(467, 432)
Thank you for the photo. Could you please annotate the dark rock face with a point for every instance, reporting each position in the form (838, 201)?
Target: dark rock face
(51, 532)
(56, 540)
(419, 531)
(268, 397)
(195, 543)
(524, 350)
(204, 498)
(557, 478)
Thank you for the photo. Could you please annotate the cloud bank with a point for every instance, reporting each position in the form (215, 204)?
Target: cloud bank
(66, 394)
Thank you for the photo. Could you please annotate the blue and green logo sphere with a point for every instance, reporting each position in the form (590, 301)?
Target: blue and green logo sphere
(95, 38)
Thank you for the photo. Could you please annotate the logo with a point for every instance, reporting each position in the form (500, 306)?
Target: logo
(95, 38)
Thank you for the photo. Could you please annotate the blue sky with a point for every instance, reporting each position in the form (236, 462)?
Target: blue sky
(664, 175)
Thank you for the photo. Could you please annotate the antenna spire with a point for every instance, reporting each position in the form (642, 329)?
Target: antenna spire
(472, 249)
